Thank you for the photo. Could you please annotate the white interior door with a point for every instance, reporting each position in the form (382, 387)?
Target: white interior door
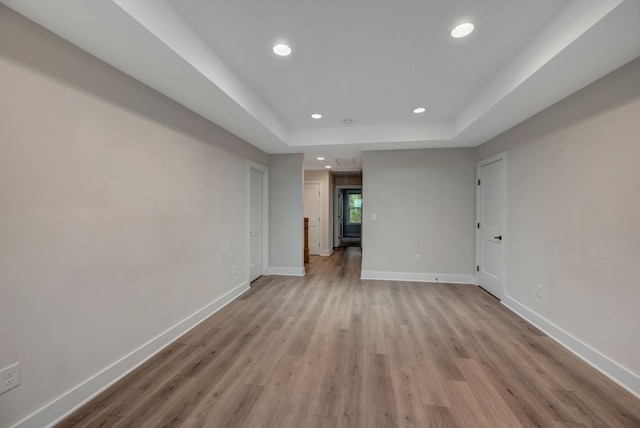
(312, 212)
(255, 224)
(491, 214)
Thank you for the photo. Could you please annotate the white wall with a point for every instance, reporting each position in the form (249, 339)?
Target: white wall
(326, 201)
(574, 220)
(286, 215)
(424, 203)
(121, 214)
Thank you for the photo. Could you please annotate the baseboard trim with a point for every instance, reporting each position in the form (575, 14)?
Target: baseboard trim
(326, 253)
(418, 277)
(620, 375)
(286, 271)
(69, 402)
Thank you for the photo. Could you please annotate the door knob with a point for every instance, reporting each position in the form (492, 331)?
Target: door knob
(499, 238)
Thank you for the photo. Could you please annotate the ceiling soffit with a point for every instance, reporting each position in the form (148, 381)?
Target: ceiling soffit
(583, 41)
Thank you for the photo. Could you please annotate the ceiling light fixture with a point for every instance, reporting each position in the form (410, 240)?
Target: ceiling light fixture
(282, 49)
(316, 116)
(320, 158)
(348, 121)
(328, 166)
(419, 110)
(462, 30)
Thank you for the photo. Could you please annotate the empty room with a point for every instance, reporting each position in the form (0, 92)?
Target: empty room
(319, 213)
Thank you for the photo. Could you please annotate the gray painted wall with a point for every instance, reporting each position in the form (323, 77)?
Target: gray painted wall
(574, 215)
(121, 214)
(286, 214)
(424, 203)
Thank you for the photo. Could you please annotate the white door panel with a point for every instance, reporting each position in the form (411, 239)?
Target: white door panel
(312, 212)
(490, 220)
(255, 224)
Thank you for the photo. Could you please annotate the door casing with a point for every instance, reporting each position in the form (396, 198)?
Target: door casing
(349, 230)
(265, 217)
(338, 212)
(317, 186)
(501, 292)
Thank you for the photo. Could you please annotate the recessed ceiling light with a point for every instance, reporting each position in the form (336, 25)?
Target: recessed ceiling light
(328, 166)
(348, 121)
(462, 30)
(316, 116)
(282, 49)
(320, 158)
(419, 110)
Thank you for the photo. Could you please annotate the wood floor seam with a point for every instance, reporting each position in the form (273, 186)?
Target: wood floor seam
(332, 350)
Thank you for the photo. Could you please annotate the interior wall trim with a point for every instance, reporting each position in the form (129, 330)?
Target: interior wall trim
(326, 253)
(69, 402)
(614, 371)
(418, 277)
(287, 271)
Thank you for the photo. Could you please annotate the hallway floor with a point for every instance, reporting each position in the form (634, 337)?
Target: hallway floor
(350, 242)
(329, 349)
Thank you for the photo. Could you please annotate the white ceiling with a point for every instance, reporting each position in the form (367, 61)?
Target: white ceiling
(371, 61)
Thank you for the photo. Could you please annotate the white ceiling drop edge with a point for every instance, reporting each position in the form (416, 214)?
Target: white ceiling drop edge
(106, 30)
(575, 19)
(565, 28)
(163, 22)
(352, 134)
(179, 64)
(559, 78)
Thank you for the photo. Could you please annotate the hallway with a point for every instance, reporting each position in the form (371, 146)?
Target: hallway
(351, 242)
(329, 349)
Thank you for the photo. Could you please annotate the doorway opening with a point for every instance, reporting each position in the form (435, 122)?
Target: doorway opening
(347, 208)
(349, 216)
(352, 213)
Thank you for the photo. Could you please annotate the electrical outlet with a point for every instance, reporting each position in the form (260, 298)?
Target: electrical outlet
(416, 258)
(9, 377)
(539, 291)
(235, 270)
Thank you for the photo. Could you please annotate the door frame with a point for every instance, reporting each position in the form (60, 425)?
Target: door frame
(503, 277)
(345, 212)
(337, 189)
(265, 217)
(320, 214)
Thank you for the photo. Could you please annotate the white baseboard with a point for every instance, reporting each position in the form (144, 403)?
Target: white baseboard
(620, 375)
(326, 253)
(69, 402)
(418, 277)
(286, 271)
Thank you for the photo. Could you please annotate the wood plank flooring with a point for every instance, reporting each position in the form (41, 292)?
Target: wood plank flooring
(331, 350)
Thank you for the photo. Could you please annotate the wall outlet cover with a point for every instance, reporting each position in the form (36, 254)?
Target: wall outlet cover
(539, 291)
(9, 377)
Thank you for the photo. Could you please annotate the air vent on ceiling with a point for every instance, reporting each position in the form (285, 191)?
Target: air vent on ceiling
(345, 161)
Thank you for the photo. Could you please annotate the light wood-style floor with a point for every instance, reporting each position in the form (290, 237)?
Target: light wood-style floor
(331, 350)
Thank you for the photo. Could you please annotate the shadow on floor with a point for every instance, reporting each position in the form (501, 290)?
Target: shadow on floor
(351, 242)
